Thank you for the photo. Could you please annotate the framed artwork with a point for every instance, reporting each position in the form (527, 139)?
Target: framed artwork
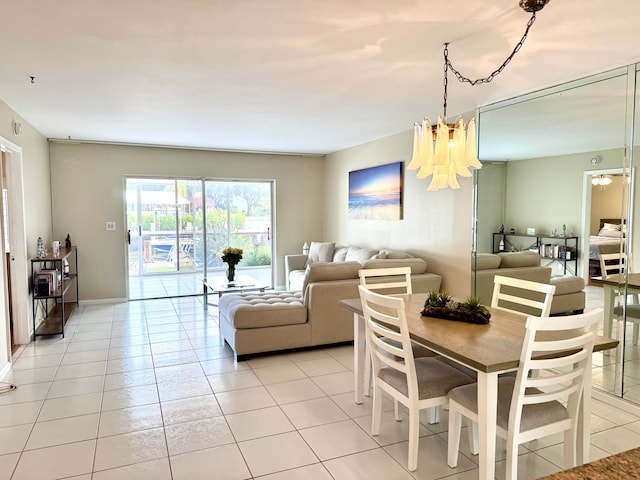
(375, 193)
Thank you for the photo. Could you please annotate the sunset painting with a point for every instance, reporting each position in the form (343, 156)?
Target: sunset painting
(376, 193)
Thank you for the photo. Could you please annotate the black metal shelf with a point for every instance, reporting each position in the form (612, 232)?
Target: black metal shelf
(56, 306)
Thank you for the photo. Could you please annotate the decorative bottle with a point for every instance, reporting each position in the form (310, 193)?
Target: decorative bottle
(305, 249)
(501, 245)
(40, 253)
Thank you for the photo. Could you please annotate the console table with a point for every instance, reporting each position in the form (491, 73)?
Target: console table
(563, 250)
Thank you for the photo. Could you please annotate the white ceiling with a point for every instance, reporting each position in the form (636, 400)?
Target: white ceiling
(285, 75)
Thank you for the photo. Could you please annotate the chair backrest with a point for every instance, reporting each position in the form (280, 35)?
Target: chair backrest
(612, 263)
(544, 377)
(396, 278)
(385, 320)
(522, 296)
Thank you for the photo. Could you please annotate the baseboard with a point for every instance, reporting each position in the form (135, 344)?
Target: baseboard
(617, 402)
(5, 370)
(103, 301)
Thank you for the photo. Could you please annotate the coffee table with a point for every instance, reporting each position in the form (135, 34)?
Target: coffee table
(219, 286)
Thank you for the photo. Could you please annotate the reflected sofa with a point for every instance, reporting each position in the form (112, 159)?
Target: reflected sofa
(568, 299)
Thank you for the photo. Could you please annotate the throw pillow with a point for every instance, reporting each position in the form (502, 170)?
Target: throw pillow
(395, 254)
(360, 254)
(610, 233)
(339, 253)
(320, 252)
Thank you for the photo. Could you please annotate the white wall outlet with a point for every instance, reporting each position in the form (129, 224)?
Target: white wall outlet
(111, 225)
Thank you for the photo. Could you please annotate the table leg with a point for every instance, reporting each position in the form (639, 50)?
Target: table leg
(609, 300)
(358, 356)
(487, 417)
(206, 294)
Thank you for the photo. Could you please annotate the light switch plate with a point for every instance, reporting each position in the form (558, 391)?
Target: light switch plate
(111, 225)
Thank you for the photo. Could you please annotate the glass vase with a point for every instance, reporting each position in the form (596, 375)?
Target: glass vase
(231, 274)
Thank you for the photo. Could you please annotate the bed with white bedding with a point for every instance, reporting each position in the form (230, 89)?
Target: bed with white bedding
(608, 240)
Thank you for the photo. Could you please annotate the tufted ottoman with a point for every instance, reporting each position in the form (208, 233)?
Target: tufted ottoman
(569, 297)
(264, 322)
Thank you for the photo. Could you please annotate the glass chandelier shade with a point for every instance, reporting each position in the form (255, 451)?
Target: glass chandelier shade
(444, 152)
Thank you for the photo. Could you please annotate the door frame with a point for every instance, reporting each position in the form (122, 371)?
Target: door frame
(586, 211)
(17, 237)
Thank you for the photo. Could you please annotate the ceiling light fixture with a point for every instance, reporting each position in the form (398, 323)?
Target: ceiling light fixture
(602, 180)
(447, 150)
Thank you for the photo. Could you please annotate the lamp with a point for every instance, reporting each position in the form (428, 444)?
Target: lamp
(602, 180)
(444, 151)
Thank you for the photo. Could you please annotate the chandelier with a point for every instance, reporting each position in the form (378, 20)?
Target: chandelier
(602, 180)
(444, 151)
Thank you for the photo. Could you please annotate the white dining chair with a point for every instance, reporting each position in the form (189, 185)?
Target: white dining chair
(394, 280)
(417, 383)
(611, 263)
(517, 295)
(535, 406)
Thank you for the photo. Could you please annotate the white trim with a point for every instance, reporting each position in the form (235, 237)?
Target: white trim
(5, 370)
(101, 301)
(586, 212)
(19, 269)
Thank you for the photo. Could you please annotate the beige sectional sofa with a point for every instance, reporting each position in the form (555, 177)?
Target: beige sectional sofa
(569, 296)
(308, 315)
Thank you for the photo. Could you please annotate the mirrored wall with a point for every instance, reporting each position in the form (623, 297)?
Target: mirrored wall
(558, 178)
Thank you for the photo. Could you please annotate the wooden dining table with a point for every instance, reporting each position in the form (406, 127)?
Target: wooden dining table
(611, 285)
(489, 349)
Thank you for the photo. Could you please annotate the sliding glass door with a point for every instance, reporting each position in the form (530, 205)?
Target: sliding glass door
(166, 229)
(162, 221)
(239, 215)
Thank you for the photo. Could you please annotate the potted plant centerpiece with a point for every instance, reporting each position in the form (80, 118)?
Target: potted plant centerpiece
(441, 305)
(231, 256)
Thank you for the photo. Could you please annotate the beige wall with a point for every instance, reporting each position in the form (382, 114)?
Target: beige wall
(37, 189)
(87, 185)
(544, 193)
(436, 225)
(37, 207)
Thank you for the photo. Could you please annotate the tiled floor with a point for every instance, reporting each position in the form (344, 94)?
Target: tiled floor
(147, 390)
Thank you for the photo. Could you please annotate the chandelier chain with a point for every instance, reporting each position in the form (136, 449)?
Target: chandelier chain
(495, 73)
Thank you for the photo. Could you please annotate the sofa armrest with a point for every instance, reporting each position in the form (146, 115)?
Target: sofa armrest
(293, 262)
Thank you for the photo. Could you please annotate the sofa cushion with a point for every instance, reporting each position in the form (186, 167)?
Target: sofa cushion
(519, 259)
(261, 310)
(327, 271)
(568, 284)
(320, 252)
(487, 261)
(360, 254)
(418, 265)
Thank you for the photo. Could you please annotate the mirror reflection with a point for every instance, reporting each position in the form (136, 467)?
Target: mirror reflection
(552, 200)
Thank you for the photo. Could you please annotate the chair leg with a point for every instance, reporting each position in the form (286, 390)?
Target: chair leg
(512, 459)
(414, 437)
(455, 425)
(636, 329)
(434, 415)
(570, 454)
(376, 411)
(396, 409)
(472, 429)
(367, 370)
